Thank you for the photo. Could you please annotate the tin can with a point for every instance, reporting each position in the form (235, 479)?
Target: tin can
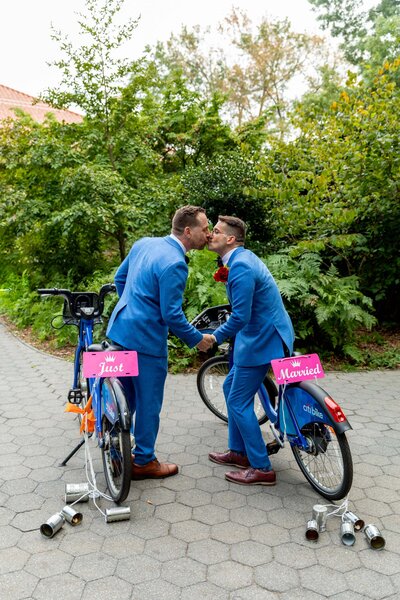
(76, 492)
(357, 522)
(374, 537)
(320, 513)
(347, 536)
(72, 516)
(118, 513)
(52, 525)
(312, 530)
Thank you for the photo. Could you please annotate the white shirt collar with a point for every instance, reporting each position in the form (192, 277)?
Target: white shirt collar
(179, 242)
(227, 256)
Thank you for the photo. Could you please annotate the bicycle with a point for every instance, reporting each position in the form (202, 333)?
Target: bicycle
(104, 396)
(302, 413)
(214, 370)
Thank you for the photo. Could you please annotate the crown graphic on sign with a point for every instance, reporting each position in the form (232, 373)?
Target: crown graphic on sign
(109, 358)
(295, 363)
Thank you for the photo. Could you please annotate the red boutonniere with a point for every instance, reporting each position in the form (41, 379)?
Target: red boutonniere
(221, 274)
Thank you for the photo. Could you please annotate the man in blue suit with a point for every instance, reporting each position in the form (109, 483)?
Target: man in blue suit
(263, 331)
(150, 284)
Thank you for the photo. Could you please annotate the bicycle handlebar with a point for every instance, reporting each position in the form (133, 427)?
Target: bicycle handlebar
(88, 305)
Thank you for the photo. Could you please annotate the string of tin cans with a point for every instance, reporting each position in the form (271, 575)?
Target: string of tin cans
(81, 492)
(350, 524)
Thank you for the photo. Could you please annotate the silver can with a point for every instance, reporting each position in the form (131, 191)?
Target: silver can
(347, 536)
(374, 537)
(52, 525)
(312, 530)
(71, 515)
(118, 513)
(76, 492)
(357, 522)
(320, 513)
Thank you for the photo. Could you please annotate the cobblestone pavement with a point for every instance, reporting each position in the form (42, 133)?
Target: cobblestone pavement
(194, 536)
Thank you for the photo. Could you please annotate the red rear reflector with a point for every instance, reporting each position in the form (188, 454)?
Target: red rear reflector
(335, 410)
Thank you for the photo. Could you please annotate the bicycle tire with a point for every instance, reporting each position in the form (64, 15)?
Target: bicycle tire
(210, 378)
(116, 451)
(328, 465)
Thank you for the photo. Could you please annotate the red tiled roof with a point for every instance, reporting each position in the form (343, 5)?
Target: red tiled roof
(11, 99)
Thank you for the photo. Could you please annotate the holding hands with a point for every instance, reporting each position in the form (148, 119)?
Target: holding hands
(206, 343)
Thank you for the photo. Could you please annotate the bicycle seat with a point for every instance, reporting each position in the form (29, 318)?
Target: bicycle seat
(105, 346)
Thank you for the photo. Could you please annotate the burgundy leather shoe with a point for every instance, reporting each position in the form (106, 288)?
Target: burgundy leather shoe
(153, 470)
(252, 477)
(230, 458)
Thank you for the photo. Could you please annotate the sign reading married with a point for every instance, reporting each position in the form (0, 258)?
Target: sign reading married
(297, 368)
(122, 363)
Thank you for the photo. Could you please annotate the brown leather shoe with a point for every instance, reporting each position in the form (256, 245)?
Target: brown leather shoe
(252, 477)
(153, 470)
(230, 458)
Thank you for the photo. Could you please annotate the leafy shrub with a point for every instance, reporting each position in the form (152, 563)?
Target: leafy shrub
(326, 309)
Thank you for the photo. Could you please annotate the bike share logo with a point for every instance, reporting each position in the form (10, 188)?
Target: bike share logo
(312, 410)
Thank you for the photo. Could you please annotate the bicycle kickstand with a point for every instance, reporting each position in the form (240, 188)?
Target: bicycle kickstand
(71, 454)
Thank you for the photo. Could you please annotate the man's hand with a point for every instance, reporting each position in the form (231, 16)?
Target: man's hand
(206, 343)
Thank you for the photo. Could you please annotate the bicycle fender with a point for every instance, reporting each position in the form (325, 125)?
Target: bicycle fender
(121, 401)
(313, 403)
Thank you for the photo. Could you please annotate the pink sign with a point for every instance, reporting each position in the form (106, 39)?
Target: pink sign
(297, 368)
(123, 363)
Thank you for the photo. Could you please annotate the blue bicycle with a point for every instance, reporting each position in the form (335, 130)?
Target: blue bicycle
(302, 414)
(104, 396)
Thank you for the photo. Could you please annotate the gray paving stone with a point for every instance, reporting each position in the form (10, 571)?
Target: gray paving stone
(138, 568)
(230, 575)
(323, 580)
(93, 566)
(230, 533)
(17, 585)
(106, 588)
(65, 585)
(253, 592)
(155, 590)
(204, 591)
(276, 577)
(190, 531)
(370, 585)
(12, 559)
(46, 564)
(208, 551)
(187, 533)
(184, 572)
(166, 548)
(251, 553)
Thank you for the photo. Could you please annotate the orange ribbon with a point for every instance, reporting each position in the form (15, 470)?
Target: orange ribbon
(88, 419)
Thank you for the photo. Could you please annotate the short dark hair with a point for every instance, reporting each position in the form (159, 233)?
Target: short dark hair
(186, 216)
(236, 227)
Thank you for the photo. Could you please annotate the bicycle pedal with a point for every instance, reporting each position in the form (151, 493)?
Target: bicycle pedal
(75, 396)
(273, 447)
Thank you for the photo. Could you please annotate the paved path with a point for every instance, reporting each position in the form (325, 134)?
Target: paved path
(194, 536)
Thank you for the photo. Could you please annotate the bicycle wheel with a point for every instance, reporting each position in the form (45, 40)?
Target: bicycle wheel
(116, 446)
(327, 465)
(210, 379)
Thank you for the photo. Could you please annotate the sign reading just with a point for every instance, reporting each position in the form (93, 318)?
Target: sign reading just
(123, 363)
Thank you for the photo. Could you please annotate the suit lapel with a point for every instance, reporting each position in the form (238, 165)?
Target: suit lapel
(229, 264)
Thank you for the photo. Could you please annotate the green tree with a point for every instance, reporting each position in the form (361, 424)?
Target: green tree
(367, 37)
(93, 74)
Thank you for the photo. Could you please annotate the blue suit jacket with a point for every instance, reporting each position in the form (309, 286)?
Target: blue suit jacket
(150, 282)
(259, 320)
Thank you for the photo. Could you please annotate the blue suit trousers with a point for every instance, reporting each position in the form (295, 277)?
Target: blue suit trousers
(244, 433)
(145, 395)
